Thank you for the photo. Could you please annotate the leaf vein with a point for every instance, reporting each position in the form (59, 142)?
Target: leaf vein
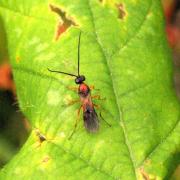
(85, 161)
(162, 141)
(23, 14)
(136, 31)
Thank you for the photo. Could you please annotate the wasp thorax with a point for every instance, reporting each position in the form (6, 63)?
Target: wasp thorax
(83, 90)
(80, 79)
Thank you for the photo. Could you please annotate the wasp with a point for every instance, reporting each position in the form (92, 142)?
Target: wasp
(90, 117)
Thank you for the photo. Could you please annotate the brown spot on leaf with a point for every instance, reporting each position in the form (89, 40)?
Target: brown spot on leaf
(144, 174)
(64, 22)
(121, 11)
(147, 162)
(46, 159)
(40, 136)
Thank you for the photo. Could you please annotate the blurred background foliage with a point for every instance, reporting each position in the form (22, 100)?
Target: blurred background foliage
(14, 127)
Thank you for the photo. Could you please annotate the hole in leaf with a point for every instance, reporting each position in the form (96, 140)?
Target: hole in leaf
(64, 22)
(121, 11)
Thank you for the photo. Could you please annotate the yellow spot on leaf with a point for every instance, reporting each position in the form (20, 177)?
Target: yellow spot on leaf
(45, 57)
(45, 159)
(53, 98)
(18, 59)
(34, 41)
(62, 134)
(41, 47)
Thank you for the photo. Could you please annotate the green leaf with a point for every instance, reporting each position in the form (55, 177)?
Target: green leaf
(125, 55)
(3, 47)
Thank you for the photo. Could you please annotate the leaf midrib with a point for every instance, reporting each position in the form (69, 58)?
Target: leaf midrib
(132, 159)
(114, 92)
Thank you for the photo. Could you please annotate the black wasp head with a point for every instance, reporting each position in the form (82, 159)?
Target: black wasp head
(80, 79)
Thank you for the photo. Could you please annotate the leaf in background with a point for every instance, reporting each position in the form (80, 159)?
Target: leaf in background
(124, 53)
(6, 150)
(3, 47)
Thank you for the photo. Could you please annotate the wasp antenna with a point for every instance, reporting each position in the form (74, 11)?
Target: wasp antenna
(61, 72)
(79, 42)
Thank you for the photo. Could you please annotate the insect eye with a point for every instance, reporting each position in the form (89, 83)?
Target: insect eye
(77, 80)
(80, 79)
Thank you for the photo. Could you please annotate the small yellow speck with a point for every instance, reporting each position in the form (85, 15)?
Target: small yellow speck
(53, 98)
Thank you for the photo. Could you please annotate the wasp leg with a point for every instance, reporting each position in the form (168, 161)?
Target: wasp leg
(93, 88)
(76, 123)
(95, 105)
(104, 120)
(70, 103)
(73, 88)
(73, 102)
(98, 97)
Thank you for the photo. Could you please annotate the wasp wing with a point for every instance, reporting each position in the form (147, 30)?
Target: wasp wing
(91, 121)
